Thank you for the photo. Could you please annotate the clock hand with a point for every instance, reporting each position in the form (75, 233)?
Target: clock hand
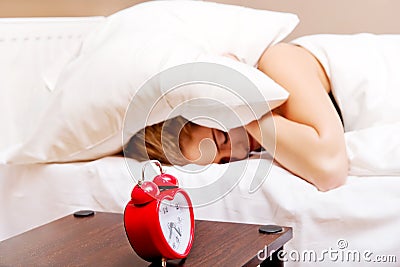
(170, 230)
(176, 229)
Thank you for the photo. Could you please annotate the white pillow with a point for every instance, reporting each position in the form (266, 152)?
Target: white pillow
(85, 119)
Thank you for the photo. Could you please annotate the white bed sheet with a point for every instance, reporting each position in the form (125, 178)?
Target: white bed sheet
(365, 212)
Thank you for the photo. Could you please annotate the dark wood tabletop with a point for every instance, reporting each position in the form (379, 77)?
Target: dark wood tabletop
(100, 240)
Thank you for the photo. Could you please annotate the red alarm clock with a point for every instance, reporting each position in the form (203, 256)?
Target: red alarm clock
(159, 219)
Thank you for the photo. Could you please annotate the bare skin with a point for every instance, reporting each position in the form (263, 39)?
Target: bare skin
(309, 134)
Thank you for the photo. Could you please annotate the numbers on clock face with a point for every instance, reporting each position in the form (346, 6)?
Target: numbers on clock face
(175, 222)
(164, 209)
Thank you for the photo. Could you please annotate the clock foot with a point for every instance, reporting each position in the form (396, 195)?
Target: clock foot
(163, 262)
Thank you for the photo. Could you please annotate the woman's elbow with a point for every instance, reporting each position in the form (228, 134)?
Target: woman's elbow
(331, 173)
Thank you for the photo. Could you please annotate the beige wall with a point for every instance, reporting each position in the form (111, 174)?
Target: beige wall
(336, 16)
(317, 16)
(62, 8)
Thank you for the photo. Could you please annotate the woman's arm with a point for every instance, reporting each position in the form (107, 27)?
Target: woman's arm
(308, 131)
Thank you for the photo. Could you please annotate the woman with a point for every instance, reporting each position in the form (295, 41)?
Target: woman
(309, 133)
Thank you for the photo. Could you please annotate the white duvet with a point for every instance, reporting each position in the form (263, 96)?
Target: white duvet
(364, 71)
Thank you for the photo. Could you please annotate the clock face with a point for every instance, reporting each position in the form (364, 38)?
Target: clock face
(175, 222)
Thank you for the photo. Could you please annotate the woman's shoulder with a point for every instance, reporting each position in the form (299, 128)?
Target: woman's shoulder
(285, 59)
(288, 51)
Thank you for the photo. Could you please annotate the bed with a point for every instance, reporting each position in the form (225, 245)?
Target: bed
(361, 216)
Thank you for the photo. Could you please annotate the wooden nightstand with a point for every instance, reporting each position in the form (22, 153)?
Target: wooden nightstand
(100, 240)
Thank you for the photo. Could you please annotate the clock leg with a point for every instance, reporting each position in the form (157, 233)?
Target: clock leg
(273, 260)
